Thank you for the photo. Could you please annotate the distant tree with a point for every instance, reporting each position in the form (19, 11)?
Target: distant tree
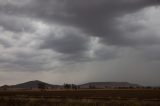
(78, 87)
(92, 86)
(149, 87)
(67, 86)
(42, 86)
(74, 87)
(71, 86)
(131, 87)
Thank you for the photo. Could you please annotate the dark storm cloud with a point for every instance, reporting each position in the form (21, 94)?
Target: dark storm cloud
(67, 44)
(98, 18)
(70, 43)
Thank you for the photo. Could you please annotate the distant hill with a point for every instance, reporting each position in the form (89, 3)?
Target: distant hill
(101, 85)
(108, 85)
(33, 84)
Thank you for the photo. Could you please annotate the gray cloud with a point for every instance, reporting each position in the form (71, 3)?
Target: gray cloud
(70, 43)
(14, 23)
(4, 43)
(97, 17)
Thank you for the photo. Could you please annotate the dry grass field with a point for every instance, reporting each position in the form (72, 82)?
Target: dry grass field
(123, 97)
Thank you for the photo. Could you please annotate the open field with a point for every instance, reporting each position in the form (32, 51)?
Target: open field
(124, 97)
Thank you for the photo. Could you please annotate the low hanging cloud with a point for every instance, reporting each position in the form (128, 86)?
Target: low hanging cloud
(46, 35)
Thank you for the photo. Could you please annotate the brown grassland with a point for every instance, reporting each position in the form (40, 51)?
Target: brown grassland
(112, 97)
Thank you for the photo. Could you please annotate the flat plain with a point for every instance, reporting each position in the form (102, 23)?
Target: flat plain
(87, 97)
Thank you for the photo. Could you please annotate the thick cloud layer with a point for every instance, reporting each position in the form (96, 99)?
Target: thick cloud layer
(49, 35)
(98, 18)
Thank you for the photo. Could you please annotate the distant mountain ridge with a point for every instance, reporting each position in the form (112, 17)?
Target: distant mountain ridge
(35, 83)
(108, 85)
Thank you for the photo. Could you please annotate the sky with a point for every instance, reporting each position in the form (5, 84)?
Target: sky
(79, 41)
